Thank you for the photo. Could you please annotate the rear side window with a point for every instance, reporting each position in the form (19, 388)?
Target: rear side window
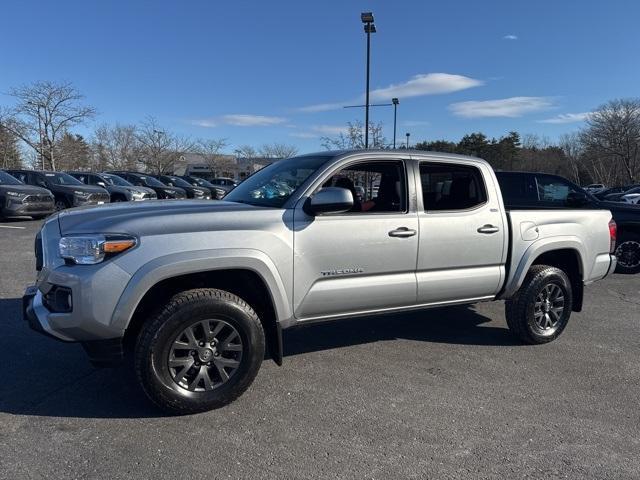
(553, 191)
(451, 187)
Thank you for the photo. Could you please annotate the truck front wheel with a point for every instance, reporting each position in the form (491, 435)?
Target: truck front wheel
(540, 310)
(200, 352)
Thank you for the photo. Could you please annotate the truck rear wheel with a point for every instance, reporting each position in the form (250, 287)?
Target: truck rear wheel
(540, 310)
(200, 352)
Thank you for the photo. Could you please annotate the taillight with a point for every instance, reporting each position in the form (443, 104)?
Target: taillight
(613, 231)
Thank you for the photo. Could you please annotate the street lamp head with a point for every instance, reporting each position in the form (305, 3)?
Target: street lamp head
(369, 28)
(366, 17)
(395, 101)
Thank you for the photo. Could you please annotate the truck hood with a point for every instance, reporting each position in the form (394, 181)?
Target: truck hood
(154, 217)
(30, 189)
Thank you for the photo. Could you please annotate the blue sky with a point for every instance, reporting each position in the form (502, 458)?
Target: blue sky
(263, 71)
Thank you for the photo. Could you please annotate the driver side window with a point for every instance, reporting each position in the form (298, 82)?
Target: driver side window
(377, 187)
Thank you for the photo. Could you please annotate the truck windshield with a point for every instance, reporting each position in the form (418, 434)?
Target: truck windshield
(273, 185)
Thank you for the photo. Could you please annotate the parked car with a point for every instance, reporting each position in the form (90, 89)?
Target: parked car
(216, 192)
(524, 190)
(595, 187)
(68, 191)
(631, 196)
(224, 183)
(617, 196)
(119, 189)
(18, 199)
(602, 194)
(192, 192)
(203, 288)
(143, 180)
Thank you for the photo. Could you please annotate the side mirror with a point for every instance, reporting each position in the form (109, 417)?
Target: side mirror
(330, 200)
(577, 199)
(101, 184)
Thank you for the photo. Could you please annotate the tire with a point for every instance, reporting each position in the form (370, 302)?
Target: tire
(61, 205)
(628, 254)
(534, 320)
(173, 371)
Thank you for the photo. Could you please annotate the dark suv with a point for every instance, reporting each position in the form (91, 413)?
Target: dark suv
(542, 190)
(143, 180)
(216, 191)
(68, 191)
(18, 199)
(119, 189)
(192, 192)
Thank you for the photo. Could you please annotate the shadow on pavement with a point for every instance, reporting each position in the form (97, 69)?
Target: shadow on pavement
(43, 377)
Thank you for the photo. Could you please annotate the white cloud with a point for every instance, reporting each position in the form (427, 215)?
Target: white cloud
(506, 107)
(239, 120)
(426, 84)
(510, 37)
(567, 118)
(243, 120)
(417, 86)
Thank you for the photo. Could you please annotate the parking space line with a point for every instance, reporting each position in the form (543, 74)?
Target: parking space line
(11, 226)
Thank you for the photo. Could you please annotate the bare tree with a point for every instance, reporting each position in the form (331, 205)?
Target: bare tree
(277, 150)
(353, 137)
(43, 113)
(613, 133)
(160, 149)
(116, 147)
(210, 150)
(573, 151)
(246, 151)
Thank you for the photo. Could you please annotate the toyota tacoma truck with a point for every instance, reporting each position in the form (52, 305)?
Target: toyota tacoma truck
(199, 292)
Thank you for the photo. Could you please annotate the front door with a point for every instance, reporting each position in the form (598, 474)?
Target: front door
(364, 259)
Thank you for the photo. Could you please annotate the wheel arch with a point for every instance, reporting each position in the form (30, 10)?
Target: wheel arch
(567, 254)
(252, 277)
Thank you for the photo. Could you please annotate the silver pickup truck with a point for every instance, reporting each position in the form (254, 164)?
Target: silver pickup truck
(199, 291)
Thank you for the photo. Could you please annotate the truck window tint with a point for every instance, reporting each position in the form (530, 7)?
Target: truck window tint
(377, 187)
(451, 187)
(517, 189)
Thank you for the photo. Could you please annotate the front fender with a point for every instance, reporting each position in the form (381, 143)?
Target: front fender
(183, 263)
(516, 276)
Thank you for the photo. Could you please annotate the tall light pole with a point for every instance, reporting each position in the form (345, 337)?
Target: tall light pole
(369, 28)
(408, 140)
(395, 103)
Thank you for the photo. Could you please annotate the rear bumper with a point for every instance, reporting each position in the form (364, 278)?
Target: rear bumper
(612, 265)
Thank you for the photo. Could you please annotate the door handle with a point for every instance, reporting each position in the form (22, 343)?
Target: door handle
(488, 228)
(402, 232)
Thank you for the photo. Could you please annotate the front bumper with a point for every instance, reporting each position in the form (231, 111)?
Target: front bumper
(101, 352)
(19, 209)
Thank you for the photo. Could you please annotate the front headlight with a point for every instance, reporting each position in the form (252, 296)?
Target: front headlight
(137, 195)
(81, 194)
(17, 194)
(92, 249)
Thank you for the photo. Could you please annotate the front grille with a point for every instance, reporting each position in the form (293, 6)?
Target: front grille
(38, 252)
(98, 197)
(38, 199)
(149, 195)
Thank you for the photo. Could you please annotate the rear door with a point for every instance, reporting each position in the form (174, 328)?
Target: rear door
(463, 238)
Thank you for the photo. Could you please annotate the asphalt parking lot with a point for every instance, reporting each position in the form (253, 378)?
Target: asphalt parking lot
(444, 393)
